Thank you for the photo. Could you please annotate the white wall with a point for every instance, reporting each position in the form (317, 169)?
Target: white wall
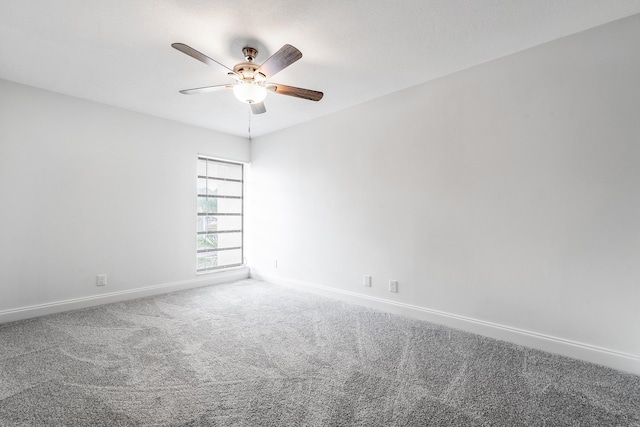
(508, 193)
(87, 189)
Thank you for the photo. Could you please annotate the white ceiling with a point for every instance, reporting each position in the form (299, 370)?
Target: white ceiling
(118, 52)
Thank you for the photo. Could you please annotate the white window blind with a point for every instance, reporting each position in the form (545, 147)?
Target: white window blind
(220, 210)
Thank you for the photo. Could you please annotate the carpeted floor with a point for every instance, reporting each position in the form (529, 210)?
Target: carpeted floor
(255, 354)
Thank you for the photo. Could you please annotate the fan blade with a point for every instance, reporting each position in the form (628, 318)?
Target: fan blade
(198, 55)
(205, 89)
(258, 108)
(280, 60)
(311, 95)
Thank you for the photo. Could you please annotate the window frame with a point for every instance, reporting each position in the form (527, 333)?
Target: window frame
(207, 177)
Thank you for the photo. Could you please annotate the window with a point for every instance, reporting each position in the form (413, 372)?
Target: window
(219, 234)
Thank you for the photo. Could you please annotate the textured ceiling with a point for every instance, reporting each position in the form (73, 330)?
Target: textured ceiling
(118, 52)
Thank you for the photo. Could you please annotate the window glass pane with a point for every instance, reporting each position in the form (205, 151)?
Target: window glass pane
(207, 205)
(211, 260)
(207, 223)
(234, 172)
(230, 257)
(202, 167)
(224, 170)
(202, 186)
(207, 241)
(219, 241)
(227, 223)
(219, 223)
(219, 205)
(224, 188)
(207, 260)
(229, 205)
(213, 168)
(229, 240)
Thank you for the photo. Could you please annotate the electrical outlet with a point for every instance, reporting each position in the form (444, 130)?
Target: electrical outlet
(393, 286)
(367, 280)
(276, 263)
(101, 280)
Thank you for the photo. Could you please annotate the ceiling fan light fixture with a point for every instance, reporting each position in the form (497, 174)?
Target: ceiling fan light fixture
(250, 92)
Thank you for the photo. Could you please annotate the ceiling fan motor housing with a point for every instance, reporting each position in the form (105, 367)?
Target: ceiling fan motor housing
(249, 71)
(249, 53)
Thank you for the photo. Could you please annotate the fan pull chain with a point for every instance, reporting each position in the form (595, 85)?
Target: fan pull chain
(249, 129)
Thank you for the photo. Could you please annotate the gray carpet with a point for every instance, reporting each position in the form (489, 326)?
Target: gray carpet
(255, 354)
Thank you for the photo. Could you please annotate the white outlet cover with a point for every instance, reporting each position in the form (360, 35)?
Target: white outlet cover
(101, 280)
(393, 286)
(367, 280)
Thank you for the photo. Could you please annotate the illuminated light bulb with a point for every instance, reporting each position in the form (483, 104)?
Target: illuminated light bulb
(250, 92)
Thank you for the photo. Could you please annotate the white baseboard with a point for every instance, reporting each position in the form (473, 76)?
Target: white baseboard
(83, 302)
(565, 347)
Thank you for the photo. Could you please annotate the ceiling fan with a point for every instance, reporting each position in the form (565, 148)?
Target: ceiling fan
(252, 80)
